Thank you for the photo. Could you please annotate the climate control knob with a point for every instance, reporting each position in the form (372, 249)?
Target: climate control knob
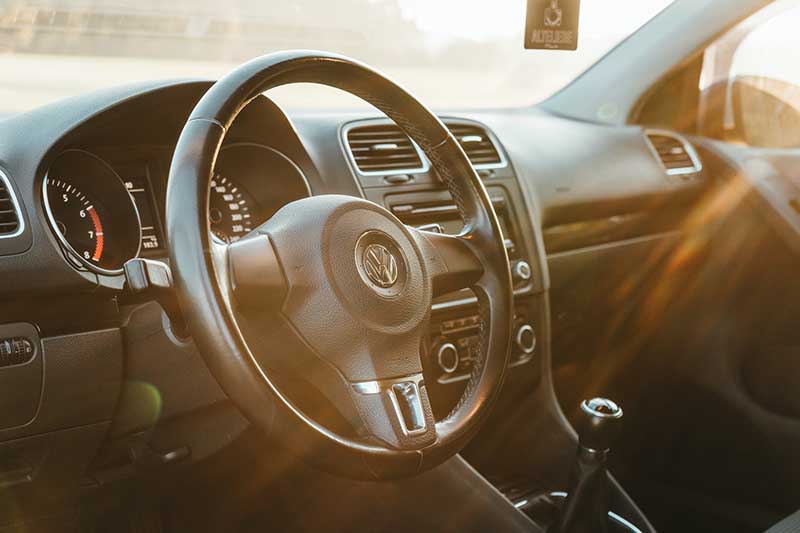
(522, 271)
(526, 339)
(447, 357)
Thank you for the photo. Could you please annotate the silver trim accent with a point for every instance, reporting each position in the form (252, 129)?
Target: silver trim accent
(611, 514)
(15, 203)
(624, 523)
(463, 302)
(419, 413)
(590, 407)
(426, 166)
(380, 122)
(525, 328)
(376, 387)
(387, 386)
(687, 146)
(447, 369)
(54, 227)
(523, 270)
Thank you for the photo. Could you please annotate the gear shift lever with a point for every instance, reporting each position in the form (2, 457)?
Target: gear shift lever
(586, 508)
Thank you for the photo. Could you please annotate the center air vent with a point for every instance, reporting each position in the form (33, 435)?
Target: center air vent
(675, 153)
(10, 220)
(384, 149)
(477, 145)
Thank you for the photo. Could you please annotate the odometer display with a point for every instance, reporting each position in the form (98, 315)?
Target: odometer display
(92, 212)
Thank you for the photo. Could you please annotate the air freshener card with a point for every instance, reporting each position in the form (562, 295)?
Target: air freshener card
(552, 24)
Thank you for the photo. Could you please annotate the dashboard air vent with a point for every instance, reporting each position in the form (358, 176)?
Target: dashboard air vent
(384, 149)
(477, 145)
(676, 155)
(10, 224)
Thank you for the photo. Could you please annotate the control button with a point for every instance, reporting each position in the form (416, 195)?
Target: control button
(397, 179)
(447, 356)
(15, 351)
(526, 339)
(522, 271)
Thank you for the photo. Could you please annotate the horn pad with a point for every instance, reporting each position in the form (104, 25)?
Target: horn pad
(367, 290)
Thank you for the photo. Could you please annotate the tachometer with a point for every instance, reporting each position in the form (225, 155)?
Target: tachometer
(231, 209)
(92, 212)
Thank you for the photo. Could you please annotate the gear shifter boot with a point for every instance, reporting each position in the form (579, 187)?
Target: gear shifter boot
(586, 508)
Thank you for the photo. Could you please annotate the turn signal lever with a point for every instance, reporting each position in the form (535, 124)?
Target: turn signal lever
(586, 508)
(146, 279)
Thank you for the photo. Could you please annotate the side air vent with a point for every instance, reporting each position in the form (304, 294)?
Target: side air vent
(676, 155)
(477, 145)
(10, 219)
(384, 149)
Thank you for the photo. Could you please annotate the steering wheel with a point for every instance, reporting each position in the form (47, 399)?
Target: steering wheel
(336, 291)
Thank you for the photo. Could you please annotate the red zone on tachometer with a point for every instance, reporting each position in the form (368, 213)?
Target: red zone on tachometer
(98, 232)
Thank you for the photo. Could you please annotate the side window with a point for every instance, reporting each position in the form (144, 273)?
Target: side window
(750, 80)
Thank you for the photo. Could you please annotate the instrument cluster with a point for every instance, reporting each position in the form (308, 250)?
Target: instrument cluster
(104, 214)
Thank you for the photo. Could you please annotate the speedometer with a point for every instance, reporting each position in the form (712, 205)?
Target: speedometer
(250, 183)
(231, 209)
(91, 212)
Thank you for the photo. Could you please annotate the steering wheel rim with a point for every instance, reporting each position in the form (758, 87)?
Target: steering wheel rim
(221, 289)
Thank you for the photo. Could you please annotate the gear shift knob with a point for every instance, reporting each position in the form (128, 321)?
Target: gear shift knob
(602, 420)
(586, 507)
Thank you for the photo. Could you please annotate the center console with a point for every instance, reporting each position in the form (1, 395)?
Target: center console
(419, 199)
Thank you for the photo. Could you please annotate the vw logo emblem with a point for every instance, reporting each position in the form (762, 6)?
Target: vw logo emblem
(380, 265)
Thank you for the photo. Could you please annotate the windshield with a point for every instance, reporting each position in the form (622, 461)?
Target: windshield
(450, 53)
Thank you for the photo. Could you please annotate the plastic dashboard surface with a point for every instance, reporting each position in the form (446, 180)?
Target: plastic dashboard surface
(556, 170)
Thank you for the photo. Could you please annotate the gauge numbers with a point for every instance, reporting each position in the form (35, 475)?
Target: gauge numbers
(230, 210)
(78, 220)
(91, 212)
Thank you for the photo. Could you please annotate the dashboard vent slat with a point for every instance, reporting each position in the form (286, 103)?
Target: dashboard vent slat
(10, 220)
(384, 149)
(675, 154)
(477, 144)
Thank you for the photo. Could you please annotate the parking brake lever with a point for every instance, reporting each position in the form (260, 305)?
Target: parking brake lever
(587, 505)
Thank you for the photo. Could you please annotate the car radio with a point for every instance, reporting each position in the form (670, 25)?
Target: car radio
(454, 339)
(437, 212)
(455, 342)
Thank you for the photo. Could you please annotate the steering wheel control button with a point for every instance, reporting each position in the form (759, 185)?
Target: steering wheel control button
(15, 351)
(447, 357)
(522, 271)
(526, 339)
(381, 264)
(408, 404)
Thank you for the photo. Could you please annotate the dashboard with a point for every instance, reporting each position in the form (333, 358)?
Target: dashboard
(87, 179)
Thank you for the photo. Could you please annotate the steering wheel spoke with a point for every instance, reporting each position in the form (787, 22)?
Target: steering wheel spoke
(451, 261)
(254, 273)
